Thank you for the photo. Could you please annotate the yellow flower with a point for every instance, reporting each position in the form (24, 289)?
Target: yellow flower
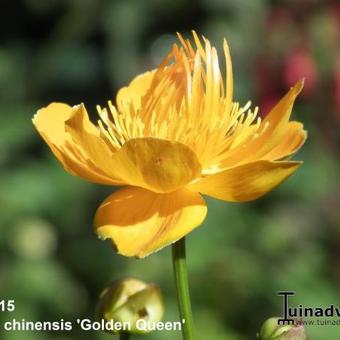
(174, 133)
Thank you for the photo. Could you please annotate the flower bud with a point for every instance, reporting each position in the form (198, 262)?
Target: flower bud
(271, 330)
(129, 300)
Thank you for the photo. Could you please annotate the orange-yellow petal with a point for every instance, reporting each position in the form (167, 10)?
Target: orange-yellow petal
(271, 132)
(294, 137)
(156, 164)
(132, 94)
(87, 137)
(282, 110)
(245, 182)
(275, 124)
(140, 222)
(75, 142)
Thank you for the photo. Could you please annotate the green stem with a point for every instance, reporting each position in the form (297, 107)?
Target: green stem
(124, 336)
(182, 286)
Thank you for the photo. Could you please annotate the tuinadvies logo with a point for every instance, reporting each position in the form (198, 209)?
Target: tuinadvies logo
(296, 315)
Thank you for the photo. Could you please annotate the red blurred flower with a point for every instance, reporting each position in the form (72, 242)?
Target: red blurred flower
(300, 64)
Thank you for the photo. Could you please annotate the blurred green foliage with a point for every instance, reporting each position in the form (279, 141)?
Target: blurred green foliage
(83, 51)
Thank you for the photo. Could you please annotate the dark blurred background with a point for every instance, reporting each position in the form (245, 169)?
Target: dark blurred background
(76, 51)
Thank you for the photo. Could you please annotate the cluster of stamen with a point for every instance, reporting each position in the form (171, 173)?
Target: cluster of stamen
(186, 101)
